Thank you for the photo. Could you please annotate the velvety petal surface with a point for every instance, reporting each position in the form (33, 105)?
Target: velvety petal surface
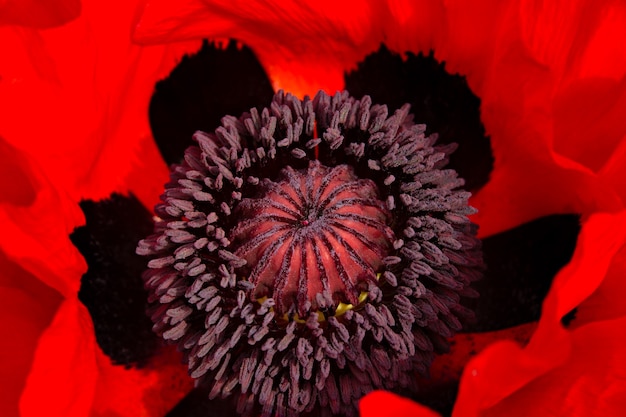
(382, 404)
(74, 104)
(71, 377)
(27, 309)
(64, 373)
(36, 219)
(505, 369)
(304, 46)
(75, 97)
(522, 88)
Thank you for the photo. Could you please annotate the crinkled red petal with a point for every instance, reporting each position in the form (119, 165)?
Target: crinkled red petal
(303, 46)
(36, 221)
(71, 377)
(592, 381)
(386, 404)
(151, 391)
(64, 374)
(505, 368)
(27, 309)
(75, 98)
(581, 45)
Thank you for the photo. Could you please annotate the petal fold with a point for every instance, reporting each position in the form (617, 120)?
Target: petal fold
(304, 46)
(386, 404)
(27, 309)
(505, 368)
(63, 377)
(92, 87)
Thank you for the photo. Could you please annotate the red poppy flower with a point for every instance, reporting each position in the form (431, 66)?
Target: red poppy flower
(74, 96)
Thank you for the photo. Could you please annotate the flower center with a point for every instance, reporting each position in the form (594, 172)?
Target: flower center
(265, 218)
(314, 236)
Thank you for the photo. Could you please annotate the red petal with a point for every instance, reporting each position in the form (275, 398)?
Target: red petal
(40, 14)
(71, 377)
(36, 221)
(580, 38)
(75, 98)
(591, 382)
(614, 171)
(63, 376)
(27, 308)
(589, 120)
(150, 392)
(581, 46)
(304, 47)
(526, 187)
(381, 404)
(534, 99)
(415, 26)
(607, 302)
(447, 368)
(504, 368)
(148, 174)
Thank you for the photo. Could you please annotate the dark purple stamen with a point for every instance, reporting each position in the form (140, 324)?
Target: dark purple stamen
(263, 208)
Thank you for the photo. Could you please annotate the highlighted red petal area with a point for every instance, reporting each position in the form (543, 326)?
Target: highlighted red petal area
(590, 382)
(386, 404)
(505, 369)
(334, 36)
(64, 373)
(27, 308)
(36, 222)
(92, 87)
(71, 377)
(526, 188)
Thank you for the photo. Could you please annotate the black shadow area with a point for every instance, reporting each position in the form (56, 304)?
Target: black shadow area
(521, 265)
(112, 288)
(201, 90)
(441, 100)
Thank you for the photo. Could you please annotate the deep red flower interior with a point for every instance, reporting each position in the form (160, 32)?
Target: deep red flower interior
(525, 297)
(550, 78)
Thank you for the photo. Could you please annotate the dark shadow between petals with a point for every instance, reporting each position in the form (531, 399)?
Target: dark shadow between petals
(441, 100)
(112, 288)
(201, 90)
